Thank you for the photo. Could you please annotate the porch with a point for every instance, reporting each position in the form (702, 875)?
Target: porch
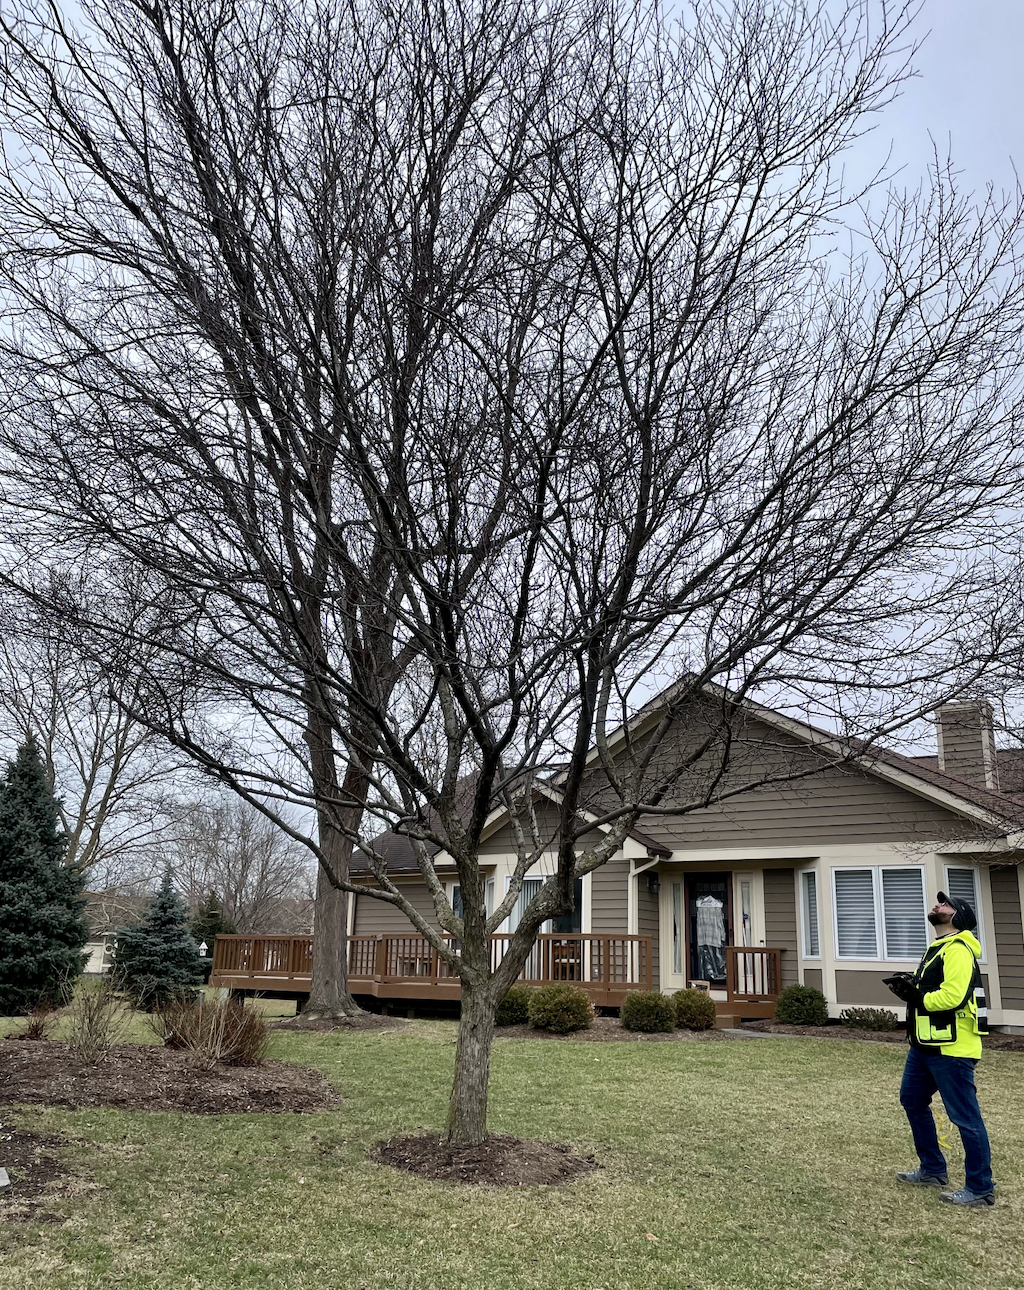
(409, 968)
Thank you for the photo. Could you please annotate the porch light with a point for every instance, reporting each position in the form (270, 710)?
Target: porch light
(653, 883)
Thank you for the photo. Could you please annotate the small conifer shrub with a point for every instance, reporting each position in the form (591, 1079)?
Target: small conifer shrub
(695, 1009)
(869, 1019)
(157, 960)
(514, 1009)
(801, 1005)
(560, 1008)
(647, 1011)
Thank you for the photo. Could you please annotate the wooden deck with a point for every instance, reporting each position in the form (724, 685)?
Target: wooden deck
(408, 967)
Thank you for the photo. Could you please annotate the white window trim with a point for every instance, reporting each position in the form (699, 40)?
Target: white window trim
(979, 931)
(814, 958)
(876, 889)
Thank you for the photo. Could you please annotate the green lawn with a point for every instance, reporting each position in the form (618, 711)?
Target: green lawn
(757, 1163)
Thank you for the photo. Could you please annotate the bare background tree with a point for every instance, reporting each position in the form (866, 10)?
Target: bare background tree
(262, 878)
(452, 379)
(117, 783)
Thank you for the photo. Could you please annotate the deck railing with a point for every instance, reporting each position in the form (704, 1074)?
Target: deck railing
(752, 973)
(283, 962)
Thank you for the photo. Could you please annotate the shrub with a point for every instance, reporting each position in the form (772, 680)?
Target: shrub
(96, 1022)
(801, 1005)
(38, 1023)
(215, 1032)
(157, 960)
(695, 1009)
(869, 1019)
(561, 1007)
(514, 1009)
(207, 924)
(647, 1011)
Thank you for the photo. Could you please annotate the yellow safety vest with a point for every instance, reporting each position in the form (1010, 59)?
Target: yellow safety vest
(953, 1015)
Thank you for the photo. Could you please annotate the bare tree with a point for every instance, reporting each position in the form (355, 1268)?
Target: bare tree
(452, 377)
(116, 782)
(232, 850)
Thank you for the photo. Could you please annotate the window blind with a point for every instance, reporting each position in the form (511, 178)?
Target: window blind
(962, 886)
(855, 913)
(529, 889)
(906, 928)
(811, 915)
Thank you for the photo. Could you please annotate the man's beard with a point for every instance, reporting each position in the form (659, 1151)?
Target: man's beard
(937, 920)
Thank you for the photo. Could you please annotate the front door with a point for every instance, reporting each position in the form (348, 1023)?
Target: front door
(708, 926)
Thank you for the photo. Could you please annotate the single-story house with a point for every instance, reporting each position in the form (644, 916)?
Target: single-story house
(822, 874)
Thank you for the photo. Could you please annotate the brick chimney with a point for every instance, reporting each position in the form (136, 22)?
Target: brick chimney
(967, 743)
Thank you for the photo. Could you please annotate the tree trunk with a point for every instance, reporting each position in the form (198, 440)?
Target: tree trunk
(467, 1110)
(329, 995)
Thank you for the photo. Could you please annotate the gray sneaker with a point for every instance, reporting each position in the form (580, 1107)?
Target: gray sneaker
(920, 1179)
(970, 1199)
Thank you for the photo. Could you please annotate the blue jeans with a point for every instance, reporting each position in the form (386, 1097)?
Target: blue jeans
(926, 1074)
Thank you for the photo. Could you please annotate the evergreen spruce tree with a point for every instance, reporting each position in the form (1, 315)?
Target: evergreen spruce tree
(42, 919)
(157, 960)
(207, 924)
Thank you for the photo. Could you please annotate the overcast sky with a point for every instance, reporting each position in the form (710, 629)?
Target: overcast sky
(968, 95)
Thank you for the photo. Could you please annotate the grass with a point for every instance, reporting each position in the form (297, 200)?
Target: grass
(758, 1163)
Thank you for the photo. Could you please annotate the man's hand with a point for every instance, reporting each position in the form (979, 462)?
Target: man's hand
(903, 987)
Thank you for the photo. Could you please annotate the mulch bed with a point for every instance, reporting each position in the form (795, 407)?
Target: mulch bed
(136, 1077)
(501, 1160)
(998, 1043)
(828, 1032)
(327, 1025)
(610, 1030)
(33, 1170)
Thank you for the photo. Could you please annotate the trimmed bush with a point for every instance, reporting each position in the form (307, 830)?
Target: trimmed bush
(869, 1019)
(801, 1005)
(222, 1032)
(561, 1007)
(647, 1011)
(695, 1009)
(514, 1009)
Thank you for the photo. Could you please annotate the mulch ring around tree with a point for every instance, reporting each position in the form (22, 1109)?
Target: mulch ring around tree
(328, 1025)
(499, 1161)
(610, 1030)
(138, 1077)
(33, 1169)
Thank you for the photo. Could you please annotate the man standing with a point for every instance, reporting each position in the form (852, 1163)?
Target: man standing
(946, 1018)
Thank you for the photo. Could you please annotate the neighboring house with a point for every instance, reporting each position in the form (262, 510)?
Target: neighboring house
(105, 913)
(836, 869)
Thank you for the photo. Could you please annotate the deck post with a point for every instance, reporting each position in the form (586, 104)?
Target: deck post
(380, 959)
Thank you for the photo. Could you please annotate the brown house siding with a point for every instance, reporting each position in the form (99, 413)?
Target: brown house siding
(838, 805)
(608, 895)
(866, 989)
(376, 918)
(502, 841)
(1006, 917)
(863, 988)
(647, 925)
(780, 919)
